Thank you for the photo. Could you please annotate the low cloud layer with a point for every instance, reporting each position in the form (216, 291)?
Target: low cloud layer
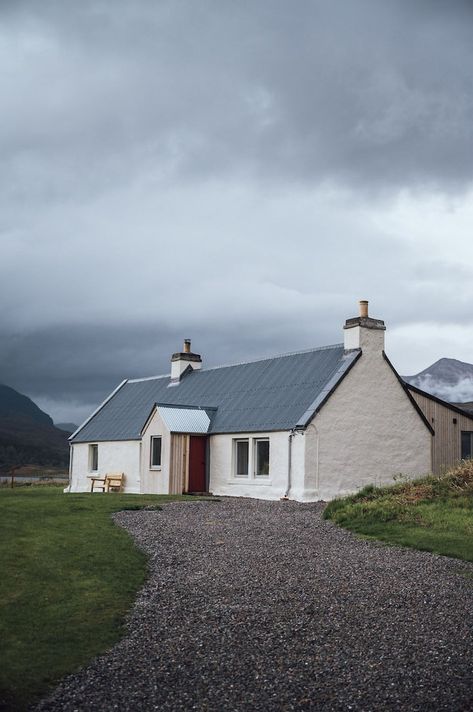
(238, 173)
(459, 392)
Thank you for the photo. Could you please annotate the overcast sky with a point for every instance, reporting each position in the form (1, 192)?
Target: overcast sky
(239, 173)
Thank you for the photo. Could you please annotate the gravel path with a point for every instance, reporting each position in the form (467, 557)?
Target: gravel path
(257, 605)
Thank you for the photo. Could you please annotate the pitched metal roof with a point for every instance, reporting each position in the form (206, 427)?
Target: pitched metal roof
(179, 419)
(270, 394)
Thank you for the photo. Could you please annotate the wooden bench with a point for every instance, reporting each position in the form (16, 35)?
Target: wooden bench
(111, 482)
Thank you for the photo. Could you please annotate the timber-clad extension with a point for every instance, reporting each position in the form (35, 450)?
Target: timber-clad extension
(179, 465)
(448, 423)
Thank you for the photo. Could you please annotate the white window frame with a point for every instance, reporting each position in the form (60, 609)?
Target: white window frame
(259, 475)
(93, 447)
(235, 458)
(251, 477)
(151, 466)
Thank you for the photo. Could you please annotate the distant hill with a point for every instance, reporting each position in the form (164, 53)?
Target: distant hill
(14, 404)
(448, 378)
(27, 434)
(68, 427)
(465, 406)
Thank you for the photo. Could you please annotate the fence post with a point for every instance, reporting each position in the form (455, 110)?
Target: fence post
(12, 474)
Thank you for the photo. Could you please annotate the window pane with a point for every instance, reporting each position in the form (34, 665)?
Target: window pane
(262, 457)
(94, 458)
(155, 452)
(467, 445)
(242, 447)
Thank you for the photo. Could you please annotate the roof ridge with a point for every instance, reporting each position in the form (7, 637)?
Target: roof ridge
(243, 363)
(271, 358)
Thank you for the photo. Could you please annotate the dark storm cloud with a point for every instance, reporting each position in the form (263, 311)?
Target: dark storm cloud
(219, 170)
(365, 93)
(68, 372)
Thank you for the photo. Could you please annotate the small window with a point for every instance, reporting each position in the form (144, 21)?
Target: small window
(261, 458)
(467, 445)
(93, 458)
(241, 458)
(156, 451)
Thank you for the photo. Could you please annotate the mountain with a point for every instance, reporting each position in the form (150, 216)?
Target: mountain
(14, 404)
(448, 378)
(68, 427)
(465, 406)
(27, 434)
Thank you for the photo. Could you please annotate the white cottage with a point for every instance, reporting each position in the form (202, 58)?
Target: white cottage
(308, 425)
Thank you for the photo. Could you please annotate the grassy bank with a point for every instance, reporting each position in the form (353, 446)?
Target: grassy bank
(68, 578)
(434, 513)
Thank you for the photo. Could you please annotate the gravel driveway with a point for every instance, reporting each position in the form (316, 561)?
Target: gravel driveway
(256, 605)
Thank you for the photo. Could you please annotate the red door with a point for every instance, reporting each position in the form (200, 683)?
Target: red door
(197, 463)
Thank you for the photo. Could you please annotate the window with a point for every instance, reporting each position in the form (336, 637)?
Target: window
(242, 448)
(262, 457)
(93, 458)
(467, 445)
(251, 459)
(156, 451)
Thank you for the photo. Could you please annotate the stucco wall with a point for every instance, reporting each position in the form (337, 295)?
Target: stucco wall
(367, 432)
(222, 481)
(117, 456)
(154, 480)
(300, 488)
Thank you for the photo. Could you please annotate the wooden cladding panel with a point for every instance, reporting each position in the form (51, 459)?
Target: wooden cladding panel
(446, 443)
(179, 465)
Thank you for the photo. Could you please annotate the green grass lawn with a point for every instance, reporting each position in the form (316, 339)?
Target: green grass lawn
(433, 514)
(68, 578)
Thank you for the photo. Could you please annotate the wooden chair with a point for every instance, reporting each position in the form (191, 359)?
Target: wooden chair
(114, 481)
(98, 483)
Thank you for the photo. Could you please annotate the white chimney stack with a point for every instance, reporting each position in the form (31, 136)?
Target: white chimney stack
(363, 332)
(182, 360)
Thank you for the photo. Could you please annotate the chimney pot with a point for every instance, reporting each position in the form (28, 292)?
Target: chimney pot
(363, 308)
(187, 346)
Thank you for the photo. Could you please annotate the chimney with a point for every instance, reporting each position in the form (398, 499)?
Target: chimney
(363, 332)
(363, 308)
(182, 360)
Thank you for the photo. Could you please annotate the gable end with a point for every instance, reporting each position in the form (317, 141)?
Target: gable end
(348, 361)
(412, 400)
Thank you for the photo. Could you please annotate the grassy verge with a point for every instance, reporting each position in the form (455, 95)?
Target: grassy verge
(433, 514)
(69, 576)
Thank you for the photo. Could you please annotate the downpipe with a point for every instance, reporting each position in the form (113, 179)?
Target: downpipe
(289, 463)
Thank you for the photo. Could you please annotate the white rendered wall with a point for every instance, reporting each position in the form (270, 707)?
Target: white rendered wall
(367, 432)
(299, 487)
(155, 480)
(222, 481)
(113, 456)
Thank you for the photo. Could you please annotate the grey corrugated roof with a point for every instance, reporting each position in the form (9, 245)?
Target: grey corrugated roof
(179, 419)
(269, 394)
